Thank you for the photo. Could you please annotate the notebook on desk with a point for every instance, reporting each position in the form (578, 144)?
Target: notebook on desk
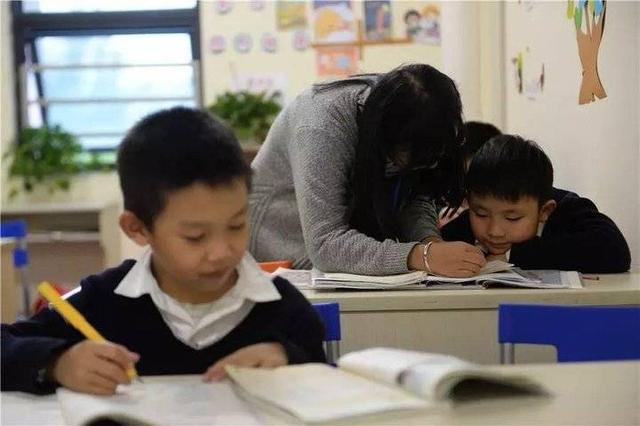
(377, 380)
(161, 400)
(493, 274)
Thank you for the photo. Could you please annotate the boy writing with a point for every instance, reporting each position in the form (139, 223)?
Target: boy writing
(195, 300)
(515, 214)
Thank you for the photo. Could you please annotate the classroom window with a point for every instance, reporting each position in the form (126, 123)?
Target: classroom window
(97, 72)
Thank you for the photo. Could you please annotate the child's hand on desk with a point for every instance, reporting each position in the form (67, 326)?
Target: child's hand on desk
(94, 367)
(265, 355)
(455, 259)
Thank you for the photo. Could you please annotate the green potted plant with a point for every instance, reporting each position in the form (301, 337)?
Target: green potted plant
(249, 114)
(44, 156)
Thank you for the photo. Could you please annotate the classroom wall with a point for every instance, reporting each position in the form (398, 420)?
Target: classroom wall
(594, 147)
(297, 67)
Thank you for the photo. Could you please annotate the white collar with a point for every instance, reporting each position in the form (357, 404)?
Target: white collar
(253, 284)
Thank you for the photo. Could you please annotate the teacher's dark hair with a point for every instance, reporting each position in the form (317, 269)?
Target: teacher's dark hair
(412, 116)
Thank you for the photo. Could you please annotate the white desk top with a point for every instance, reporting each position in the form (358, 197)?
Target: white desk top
(609, 289)
(584, 393)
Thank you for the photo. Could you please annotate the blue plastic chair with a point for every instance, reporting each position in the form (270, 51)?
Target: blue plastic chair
(330, 314)
(579, 333)
(18, 229)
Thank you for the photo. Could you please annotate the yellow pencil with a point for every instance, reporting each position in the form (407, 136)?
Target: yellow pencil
(75, 318)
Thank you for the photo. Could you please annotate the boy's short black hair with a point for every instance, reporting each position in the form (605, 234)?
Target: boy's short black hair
(172, 149)
(509, 167)
(477, 133)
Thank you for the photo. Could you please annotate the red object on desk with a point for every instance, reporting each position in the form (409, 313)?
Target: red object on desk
(272, 266)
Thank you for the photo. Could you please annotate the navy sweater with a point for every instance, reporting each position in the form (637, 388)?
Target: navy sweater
(576, 237)
(30, 346)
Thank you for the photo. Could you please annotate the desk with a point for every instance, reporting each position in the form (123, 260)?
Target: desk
(585, 393)
(458, 322)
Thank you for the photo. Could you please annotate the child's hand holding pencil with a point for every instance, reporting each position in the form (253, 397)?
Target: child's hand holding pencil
(94, 365)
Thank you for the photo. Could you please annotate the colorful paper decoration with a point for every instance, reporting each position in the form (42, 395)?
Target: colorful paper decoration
(589, 36)
(291, 14)
(242, 42)
(269, 43)
(300, 40)
(424, 26)
(333, 21)
(224, 6)
(377, 19)
(337, 61)
(217, 44)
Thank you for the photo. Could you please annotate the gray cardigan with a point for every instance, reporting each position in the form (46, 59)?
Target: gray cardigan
(298, 204)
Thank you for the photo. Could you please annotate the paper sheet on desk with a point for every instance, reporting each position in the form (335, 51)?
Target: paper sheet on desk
(157, 402)
(408, 280)
(301, 278)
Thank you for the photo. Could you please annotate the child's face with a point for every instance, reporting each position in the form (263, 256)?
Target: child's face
(498, 223)
(198, 240)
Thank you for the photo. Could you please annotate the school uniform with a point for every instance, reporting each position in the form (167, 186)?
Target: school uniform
(126, 305)
(575, 237)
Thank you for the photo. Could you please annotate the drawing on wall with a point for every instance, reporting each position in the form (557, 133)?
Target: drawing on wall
(333, 21)
(242, 42)
(291, 14)
(339, 61)
(424, 27)
(377, 19)
(529, 74)
(517, 68)
(224, 6)
(300, 40)
(217, 44)
(588, 17)
(269, 43)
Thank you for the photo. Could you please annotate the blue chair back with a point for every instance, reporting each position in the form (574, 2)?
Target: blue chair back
(579, 333)
(329, 312)
(18, 229)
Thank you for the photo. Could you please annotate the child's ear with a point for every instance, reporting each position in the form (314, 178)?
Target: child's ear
(134, 228)
(546, 210)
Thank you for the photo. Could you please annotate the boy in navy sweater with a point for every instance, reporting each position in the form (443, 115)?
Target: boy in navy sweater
(195, 301)
(515, 214)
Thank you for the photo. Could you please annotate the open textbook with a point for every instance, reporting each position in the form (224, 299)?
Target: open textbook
(374, 381)
(160, 400)
(493, 274)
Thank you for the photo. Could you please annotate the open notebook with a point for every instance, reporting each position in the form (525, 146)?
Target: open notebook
(493, 274)
(161, 400)
(374, 381)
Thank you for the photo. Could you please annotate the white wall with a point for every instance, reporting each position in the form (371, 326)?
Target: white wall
(594, 147)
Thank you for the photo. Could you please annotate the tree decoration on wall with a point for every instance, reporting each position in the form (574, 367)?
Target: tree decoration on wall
(589, 17)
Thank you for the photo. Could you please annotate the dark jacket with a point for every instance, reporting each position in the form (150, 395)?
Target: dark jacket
(576, 237)
(29, 346)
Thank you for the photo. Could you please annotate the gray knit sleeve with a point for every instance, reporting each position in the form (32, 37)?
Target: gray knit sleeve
(418, 220)
(321, 160)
